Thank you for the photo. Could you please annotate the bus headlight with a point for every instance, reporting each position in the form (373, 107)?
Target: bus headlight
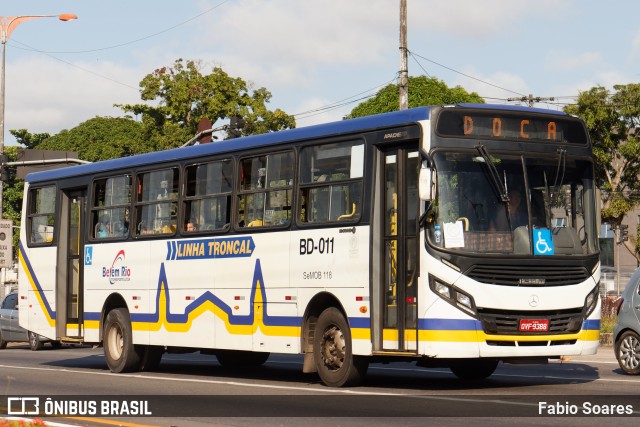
(591, 301)
(443, 290)
(453, 296)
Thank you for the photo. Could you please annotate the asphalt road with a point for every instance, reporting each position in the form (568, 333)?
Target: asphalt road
(194, 390)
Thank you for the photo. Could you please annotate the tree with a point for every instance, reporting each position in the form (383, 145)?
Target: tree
(101, 138)
(613, 120)
(422, 91)
(184, 96)
(29, 140)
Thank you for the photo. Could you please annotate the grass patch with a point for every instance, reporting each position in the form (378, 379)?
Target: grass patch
(609, 314)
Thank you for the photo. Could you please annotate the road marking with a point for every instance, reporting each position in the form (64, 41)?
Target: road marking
(92, 420)
(306, 389)
(108, 422)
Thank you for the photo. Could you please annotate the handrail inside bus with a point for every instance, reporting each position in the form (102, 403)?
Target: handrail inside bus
(349, 215)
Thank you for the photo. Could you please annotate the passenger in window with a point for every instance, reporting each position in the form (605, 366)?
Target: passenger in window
(190, 227)
(102, 227)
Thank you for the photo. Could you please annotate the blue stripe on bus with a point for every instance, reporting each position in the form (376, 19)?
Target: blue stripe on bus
(449, 325)
(34, 278)
(362, 124)
(591, 324)
(234, 319)
(249, 319)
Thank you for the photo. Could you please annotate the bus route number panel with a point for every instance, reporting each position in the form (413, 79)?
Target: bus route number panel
(330, 256)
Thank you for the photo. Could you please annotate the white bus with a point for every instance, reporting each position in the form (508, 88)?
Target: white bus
(390, 237)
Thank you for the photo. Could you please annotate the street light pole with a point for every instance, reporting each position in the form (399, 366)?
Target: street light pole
(7, 25)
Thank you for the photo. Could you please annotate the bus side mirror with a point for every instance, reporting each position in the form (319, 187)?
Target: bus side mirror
(424, 182)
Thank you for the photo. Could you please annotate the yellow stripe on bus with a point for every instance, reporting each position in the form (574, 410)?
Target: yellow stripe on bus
(37, 293)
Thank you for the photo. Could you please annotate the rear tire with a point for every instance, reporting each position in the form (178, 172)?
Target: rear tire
(472, 370)
(628, 352)
(117, 341)
(333, 351)
(34, 342)
(3, 343)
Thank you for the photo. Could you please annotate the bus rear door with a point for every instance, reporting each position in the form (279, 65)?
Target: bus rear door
(69, 307)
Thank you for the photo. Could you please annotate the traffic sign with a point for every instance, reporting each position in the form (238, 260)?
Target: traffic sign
(6, 243)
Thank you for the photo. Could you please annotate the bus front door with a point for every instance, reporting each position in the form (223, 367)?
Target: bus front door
(69, 307)
(399, 252)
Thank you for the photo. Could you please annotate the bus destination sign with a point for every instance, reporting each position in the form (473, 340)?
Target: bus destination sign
(501, 126)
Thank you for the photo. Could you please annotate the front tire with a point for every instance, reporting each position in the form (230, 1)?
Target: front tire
(117, 341)
(34, 342)
(333, 351)
(628, 352)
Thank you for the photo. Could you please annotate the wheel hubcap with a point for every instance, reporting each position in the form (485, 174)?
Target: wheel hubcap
(333, 348)
(630, 353)
(116, 342)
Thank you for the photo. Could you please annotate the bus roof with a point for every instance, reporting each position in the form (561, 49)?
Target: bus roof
(361, 124)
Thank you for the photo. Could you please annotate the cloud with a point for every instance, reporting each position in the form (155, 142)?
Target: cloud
(563, 61)
(498, 85)
(44, 95)
(482, 19)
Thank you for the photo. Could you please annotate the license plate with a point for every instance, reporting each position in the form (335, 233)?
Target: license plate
(534, 325)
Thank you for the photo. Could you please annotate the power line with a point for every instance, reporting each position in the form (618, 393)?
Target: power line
(466, 75)
(140, 39)
(343, 102)
(82, 68)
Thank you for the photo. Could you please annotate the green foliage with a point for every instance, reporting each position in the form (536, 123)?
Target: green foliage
(422, 91)
(184, 96)
(613, 119)
(12, 195)
(29, 140)
(101, 138)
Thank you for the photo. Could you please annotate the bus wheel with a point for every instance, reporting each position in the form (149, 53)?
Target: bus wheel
(118, 345)
(337, 367)
(34, 341)
(150, 356)
(239, 359)
(3, 343)
(474, 369)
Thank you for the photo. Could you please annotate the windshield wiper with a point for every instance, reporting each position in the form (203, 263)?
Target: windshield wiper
(560, 170)
(493, 173)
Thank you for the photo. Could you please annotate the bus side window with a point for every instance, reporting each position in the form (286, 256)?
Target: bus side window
(110, 207)
(331, 182)
(42, 204)
(266, 184)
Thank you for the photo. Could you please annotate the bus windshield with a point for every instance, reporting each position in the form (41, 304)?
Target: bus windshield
(513, 204)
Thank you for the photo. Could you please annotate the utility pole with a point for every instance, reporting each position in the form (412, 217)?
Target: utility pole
(403, 84)
(531, 99)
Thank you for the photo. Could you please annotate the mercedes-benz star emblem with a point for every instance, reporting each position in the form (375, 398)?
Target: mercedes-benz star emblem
(534, 300)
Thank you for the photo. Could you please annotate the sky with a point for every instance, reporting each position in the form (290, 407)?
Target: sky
(319, 59)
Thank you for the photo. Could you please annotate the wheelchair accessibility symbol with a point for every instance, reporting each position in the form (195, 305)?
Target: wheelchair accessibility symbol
(88, 255)
(542, 242)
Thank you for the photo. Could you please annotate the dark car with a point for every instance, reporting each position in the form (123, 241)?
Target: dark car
(11, 331)
(626, 333)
